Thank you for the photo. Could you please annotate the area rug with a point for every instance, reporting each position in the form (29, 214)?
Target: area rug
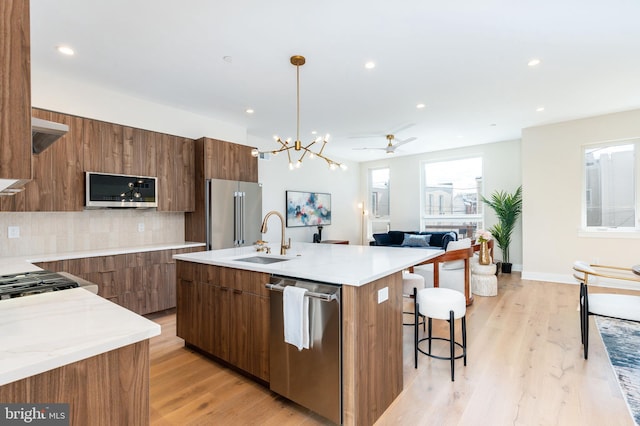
(622, 341)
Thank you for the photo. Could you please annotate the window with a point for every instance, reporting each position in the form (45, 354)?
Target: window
(609, 194)
(379, 192)
(451, 196)
(379, 201)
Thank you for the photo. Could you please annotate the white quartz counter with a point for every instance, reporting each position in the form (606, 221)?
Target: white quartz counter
(353, 265)
(14, 265)
(45, 331)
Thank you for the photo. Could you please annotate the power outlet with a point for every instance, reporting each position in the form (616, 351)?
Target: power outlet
(141, 227)
(13, 232)
(383, 294)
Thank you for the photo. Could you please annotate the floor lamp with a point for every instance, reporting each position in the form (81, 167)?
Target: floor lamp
(363, 214)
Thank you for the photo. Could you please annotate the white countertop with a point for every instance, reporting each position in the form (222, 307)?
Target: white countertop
(14, 265)
(353, 265)
(45, 331)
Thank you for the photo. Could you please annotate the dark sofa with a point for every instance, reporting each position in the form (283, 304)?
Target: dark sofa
(436, 239)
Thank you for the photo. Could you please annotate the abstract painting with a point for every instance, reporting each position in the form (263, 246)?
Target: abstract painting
(308, 209)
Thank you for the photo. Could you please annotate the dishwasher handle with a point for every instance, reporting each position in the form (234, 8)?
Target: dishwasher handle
(326, 297)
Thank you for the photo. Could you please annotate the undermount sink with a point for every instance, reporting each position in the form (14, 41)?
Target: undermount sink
(262, 259)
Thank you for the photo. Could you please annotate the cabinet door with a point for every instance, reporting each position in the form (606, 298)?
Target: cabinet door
(176, 178)
(15, 90)
(249, 333)
(165, 152)
(186, 310)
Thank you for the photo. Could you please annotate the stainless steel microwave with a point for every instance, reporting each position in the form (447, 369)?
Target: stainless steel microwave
(120, 191)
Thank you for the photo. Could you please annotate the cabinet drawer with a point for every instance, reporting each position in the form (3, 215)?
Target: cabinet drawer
(245, 281)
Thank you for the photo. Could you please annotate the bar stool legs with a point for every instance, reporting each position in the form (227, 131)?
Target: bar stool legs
(433, 303)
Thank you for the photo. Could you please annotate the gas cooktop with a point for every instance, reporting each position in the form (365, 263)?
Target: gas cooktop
(35, 282)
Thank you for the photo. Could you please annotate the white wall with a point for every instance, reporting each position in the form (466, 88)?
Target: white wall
(313, 176)
(61, 94)
(501, 162)
(552, 182)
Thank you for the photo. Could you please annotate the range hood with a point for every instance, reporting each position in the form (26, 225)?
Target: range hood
(44, 133)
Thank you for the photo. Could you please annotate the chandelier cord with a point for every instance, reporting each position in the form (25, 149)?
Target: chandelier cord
(298, 102)
(298, 60)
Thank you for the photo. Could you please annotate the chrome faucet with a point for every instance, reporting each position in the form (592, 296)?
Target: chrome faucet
(263, 229)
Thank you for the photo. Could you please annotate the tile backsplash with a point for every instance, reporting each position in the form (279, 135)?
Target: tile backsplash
(59, 232)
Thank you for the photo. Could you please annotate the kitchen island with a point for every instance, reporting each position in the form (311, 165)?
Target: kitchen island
(74, 347)
(371, 282)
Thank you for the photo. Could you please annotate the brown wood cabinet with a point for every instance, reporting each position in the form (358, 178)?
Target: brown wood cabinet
(226, 160)
(15, 90)
(98, 146)
(112, 148)
(215, 159)
(108, 389)
(58, 179)
(225, 312)
(176, 178)
(142, 282)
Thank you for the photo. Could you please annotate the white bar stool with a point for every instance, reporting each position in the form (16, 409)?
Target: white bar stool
(411, 283)
(443, 304)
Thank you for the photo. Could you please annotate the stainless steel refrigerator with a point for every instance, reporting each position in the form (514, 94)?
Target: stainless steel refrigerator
(233, 213)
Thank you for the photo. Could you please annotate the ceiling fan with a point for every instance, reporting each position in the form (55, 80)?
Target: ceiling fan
(391, 146)
(392, 142)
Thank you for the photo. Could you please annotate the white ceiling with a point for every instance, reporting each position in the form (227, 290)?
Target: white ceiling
(465, 59)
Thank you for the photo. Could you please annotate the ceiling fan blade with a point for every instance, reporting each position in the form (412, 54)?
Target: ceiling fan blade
(401, 128)
(384, 149)
(402, 142)
(382, 134)
(366, 136)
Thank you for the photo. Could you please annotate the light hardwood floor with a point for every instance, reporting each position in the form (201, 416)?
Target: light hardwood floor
(524, 368)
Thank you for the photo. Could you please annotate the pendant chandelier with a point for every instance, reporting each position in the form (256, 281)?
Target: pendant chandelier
(286, 145)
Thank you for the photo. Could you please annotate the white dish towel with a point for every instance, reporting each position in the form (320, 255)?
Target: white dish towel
(296, 316)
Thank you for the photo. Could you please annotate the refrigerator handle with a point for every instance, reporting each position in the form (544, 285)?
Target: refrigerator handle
(242, 198)
(207, 213)
(236, 219)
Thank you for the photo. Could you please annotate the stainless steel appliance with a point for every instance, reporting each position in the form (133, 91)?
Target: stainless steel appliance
(311, 377)
(233, 213)
(28, 283)
(120, 191)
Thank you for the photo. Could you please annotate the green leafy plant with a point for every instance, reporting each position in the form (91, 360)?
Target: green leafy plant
(507, 208)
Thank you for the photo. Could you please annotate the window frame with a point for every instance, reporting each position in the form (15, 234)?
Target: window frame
(371, 220)
(609, 231)
(477, 218)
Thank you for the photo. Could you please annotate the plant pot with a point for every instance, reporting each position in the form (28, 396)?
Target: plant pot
(506, 268)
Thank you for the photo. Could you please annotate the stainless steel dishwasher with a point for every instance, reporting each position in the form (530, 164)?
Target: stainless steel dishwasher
(311, 377)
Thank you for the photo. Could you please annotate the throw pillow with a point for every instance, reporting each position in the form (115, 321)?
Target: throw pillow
(456, 245)
(412, 240)
(447, 238)
(382, 239)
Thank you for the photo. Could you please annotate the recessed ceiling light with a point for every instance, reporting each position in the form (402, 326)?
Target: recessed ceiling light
(313, 132)
(420, 106)
(227, 59)
(249, 111)
(540, 109)
(493, 124)
(370, 65)
(533, 62)
(65, 50)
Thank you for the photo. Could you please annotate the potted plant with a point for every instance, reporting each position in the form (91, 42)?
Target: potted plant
(507, 208)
